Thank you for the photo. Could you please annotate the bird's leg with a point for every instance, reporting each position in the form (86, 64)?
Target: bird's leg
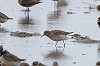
(26, 11)
(28, 16)
(56, 43)
(56, 49)
(27, 8)
(64, 43)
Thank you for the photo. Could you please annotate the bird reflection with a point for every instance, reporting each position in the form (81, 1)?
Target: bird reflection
(55, 54)
(25, 25)
(26, 22)
(56, 14)
(60, 3)
(3, 30)
(98, 48)
(92, 6)
(26, 19)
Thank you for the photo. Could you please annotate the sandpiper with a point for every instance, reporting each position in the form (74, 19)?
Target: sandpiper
(79, 37)
(9, 59)
(55, 63)
(56, 35)
(3, 18)
(84, 39)
(28, 3)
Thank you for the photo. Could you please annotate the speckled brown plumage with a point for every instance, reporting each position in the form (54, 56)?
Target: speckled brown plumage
(10, 57)
(56, 35)
(3, 16)
(28, 3)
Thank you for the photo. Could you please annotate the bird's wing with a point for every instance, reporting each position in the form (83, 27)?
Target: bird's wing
(33, 2)
(10, 57)
(3, 16)
(59, 32)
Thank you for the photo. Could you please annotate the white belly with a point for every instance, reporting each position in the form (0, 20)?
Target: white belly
(58, 38)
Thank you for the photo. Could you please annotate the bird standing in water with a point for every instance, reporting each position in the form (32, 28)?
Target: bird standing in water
(56, 35)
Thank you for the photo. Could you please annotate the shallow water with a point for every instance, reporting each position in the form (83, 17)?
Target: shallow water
(45, 17)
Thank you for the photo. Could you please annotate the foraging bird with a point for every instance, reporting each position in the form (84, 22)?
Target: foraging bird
(9, 59)
(56, 35)
(28, 3)
(3, 18)
(84, 39)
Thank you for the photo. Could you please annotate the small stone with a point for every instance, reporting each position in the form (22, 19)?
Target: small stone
(55, 63)
(74, 62)
(35, 63)
(83, 54)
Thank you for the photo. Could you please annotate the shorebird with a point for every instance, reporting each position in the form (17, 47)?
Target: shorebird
(84, 39)
(9, 59)
(28, 3)
(55, 63)
(4, 18)
(79, 37)
(56, 35)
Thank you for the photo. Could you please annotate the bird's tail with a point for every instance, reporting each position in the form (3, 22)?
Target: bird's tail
(70, 32)
(39, 2)
(22, 59)
(10, 18)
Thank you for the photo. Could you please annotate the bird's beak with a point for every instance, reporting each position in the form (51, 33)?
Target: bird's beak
(42, 35)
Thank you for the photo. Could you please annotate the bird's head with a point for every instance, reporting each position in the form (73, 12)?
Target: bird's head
(46, 33)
